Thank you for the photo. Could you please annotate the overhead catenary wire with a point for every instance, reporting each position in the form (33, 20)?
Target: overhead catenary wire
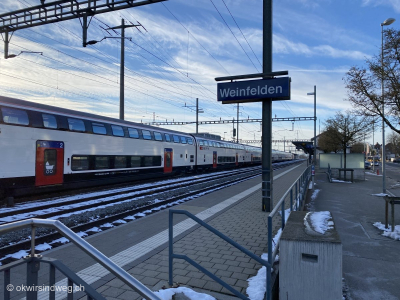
(234, 35)
(242, 33)
(111, 70)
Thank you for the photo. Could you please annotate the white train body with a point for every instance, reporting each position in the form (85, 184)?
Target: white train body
(46, 148)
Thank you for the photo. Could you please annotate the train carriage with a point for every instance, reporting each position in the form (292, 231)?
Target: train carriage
(217, 154)
(43, 147)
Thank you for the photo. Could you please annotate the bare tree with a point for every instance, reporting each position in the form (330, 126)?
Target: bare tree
(393, 145)
(364, 83)
(349, 129)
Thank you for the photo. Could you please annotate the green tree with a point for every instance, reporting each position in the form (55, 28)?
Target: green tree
(357, 148)
(329, 141)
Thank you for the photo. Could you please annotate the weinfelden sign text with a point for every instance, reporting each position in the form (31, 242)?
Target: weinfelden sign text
(254, 90)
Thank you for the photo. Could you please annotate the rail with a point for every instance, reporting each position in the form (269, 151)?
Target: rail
(80, 243)
(172, 255)
(300, 187)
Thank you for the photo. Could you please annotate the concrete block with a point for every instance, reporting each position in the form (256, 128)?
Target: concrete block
(310, 262)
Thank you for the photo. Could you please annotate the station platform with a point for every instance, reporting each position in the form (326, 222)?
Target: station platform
(141, 246)
(371, 262)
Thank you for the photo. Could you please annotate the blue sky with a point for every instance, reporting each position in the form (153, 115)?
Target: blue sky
(184, 46)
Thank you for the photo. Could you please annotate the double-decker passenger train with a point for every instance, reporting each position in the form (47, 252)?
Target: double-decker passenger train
(44, 148)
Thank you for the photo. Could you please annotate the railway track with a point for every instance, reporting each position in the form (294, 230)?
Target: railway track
(126, 204)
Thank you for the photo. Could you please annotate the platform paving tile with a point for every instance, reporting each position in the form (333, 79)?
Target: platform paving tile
(243, 222)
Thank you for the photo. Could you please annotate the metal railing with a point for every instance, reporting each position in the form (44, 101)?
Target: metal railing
(33, 266)
(172, 255)
(300, 188)
(392, 201)
(82, 244)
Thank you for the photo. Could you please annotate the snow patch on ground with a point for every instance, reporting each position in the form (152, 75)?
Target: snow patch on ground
(321, 221)
(258, 284)
(380, 195)
(168, 293)
(388, 231)
(43, 247)
(373, 174)
(340, 181)
(62, 240)
(314, 195)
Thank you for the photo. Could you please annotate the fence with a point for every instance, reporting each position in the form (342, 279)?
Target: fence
(300, 187)
(34, 262)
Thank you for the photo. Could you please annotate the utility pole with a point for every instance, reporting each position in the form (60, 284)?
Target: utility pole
(267, 175)
(197, 115)
(237, 125)
(122, 67)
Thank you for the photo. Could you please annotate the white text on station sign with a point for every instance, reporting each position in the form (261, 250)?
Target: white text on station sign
(254, 90)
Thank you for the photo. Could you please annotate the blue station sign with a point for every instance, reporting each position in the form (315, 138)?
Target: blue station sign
(254, 90)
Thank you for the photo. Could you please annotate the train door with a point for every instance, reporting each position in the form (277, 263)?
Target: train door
(168, 160)
(251, 158)
(214, 159)
(237, 159)
(49, 163)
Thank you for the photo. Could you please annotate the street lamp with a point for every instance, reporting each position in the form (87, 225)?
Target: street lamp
(385, 23)
(315, 133)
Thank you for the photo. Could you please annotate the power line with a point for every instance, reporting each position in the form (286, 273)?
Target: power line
(234, 36)
(241, 32)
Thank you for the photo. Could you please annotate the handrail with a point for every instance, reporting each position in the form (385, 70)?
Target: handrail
(83, 245)
(199, 267)
(300, 185)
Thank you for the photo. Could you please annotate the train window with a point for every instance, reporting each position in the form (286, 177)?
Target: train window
(99, 128)
(117, 130)
(201, 143)
(157, 136)
(76, 125)
(148, 161)
(133, 133)
(120, 162)
(79, 163)
(167, 137)
(191, 158)
(135, 161)
(101, 162)
(14, 116)
(49, 121)
(50, 158)
(146, 135)
(183, 140)
(189, 141)
(176, 138)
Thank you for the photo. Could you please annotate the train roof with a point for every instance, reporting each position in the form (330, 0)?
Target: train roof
(64, 111)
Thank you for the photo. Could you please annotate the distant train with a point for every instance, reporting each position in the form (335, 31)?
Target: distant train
(44, 148)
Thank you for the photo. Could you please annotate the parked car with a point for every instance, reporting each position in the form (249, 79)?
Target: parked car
(376, 163)
(396, 160)
(367, 165)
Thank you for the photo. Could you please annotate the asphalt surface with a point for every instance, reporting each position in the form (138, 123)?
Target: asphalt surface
(371, 262)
